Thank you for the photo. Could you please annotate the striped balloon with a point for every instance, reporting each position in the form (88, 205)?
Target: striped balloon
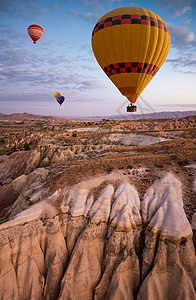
(60, 99)
(130, 45)
(35, 32)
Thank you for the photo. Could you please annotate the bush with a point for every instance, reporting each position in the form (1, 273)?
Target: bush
(26, 146)
(183, 162)
(109, 169)
(74, 134)
(13, 149)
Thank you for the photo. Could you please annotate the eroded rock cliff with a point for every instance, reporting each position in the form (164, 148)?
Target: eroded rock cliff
(99, 239)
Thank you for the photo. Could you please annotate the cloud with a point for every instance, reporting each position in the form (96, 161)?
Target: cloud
(4, 42)
(111, 1)
(96, 2)
(180, 35)
(22, 9)
(99, 5)
(185, 61)
(25, 97)
(169, 3)
(92, 17)
(54, 6)
(72, 12)
(187, 21)
(194, 43)
(13, 8)
(183, 64)
(181, 11)
(6, 5)
(88, 84)
(96, 8)
(21, 74)
(183, 41)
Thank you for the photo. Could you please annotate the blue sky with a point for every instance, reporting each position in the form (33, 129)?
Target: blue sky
(63, 61)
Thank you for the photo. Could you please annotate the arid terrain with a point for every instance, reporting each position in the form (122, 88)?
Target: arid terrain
(97, 209)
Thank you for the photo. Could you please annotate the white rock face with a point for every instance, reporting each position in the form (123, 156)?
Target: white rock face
(125, 212)
(100, 210)
(162, 209)
(135, 139)
(37, 211)
(87, 242)
(87, 129)
(79, 201)
(78, 197)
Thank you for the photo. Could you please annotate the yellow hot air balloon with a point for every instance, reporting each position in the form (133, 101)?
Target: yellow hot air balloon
(56, 94)
(130, 44)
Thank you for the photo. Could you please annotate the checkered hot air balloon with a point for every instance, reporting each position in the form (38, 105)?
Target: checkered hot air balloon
(35, 32)
(131, 44)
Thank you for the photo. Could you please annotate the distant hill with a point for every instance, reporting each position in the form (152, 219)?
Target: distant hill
(26, 116)
(133, 116)
(128, 116)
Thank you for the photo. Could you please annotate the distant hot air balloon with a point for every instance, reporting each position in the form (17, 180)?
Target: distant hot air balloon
(60, 99)
(130, 44)
(35, 32)
(56, 94)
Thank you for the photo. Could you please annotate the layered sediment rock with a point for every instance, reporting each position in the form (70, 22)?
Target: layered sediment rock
(23, 191)
(99, 240)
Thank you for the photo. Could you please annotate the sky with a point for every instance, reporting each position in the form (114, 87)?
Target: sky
(63, 60)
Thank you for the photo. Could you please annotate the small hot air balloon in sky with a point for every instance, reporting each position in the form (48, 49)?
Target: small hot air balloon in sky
(130, 44)
(35, 32)
(56, 94)
(60, 99)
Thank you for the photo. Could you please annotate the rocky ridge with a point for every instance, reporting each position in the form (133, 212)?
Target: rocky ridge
(20, 135)
(98, 211)
(98, 240)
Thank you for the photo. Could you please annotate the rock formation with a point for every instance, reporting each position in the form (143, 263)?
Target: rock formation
(97, 210)
(99, 240)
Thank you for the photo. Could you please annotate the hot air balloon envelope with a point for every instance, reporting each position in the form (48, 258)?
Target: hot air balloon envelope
(35, 32)
(56, 94)
(60, 99)
(130, 45)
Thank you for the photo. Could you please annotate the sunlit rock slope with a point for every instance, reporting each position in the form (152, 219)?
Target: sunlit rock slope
(99, 240)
